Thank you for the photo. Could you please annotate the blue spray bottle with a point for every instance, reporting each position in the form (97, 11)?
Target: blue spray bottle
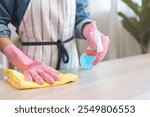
(86, 61)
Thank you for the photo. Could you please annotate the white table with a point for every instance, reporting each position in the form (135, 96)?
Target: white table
(127, 78)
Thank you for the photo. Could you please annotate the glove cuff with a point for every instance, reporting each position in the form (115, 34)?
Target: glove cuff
(16, 57)
(90, 27)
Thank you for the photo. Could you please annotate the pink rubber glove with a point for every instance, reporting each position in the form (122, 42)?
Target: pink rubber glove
(37, 71)
(98, 42)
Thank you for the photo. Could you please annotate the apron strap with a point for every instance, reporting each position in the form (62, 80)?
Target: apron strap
(62, 52)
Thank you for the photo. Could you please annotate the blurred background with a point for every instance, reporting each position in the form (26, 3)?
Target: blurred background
(126, 22)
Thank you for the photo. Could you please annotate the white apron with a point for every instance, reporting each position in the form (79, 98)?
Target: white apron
(49, 21)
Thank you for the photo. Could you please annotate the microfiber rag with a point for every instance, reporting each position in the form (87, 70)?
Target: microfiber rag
(17, 80)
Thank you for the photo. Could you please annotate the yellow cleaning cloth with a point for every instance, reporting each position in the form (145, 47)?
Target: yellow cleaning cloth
(17, 80)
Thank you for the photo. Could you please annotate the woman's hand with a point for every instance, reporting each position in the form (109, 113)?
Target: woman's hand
(39, 72)
(98, 42)
(33, 71)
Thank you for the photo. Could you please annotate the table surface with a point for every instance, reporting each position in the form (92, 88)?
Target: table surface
(120, 79)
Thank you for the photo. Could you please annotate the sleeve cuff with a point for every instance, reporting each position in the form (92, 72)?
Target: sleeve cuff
(4, 31)
(79, 27)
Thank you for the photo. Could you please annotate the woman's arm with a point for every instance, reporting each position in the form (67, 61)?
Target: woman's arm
(6, 11)
(82, 16)
(4, 42)
(86, 28)
(32, 70)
